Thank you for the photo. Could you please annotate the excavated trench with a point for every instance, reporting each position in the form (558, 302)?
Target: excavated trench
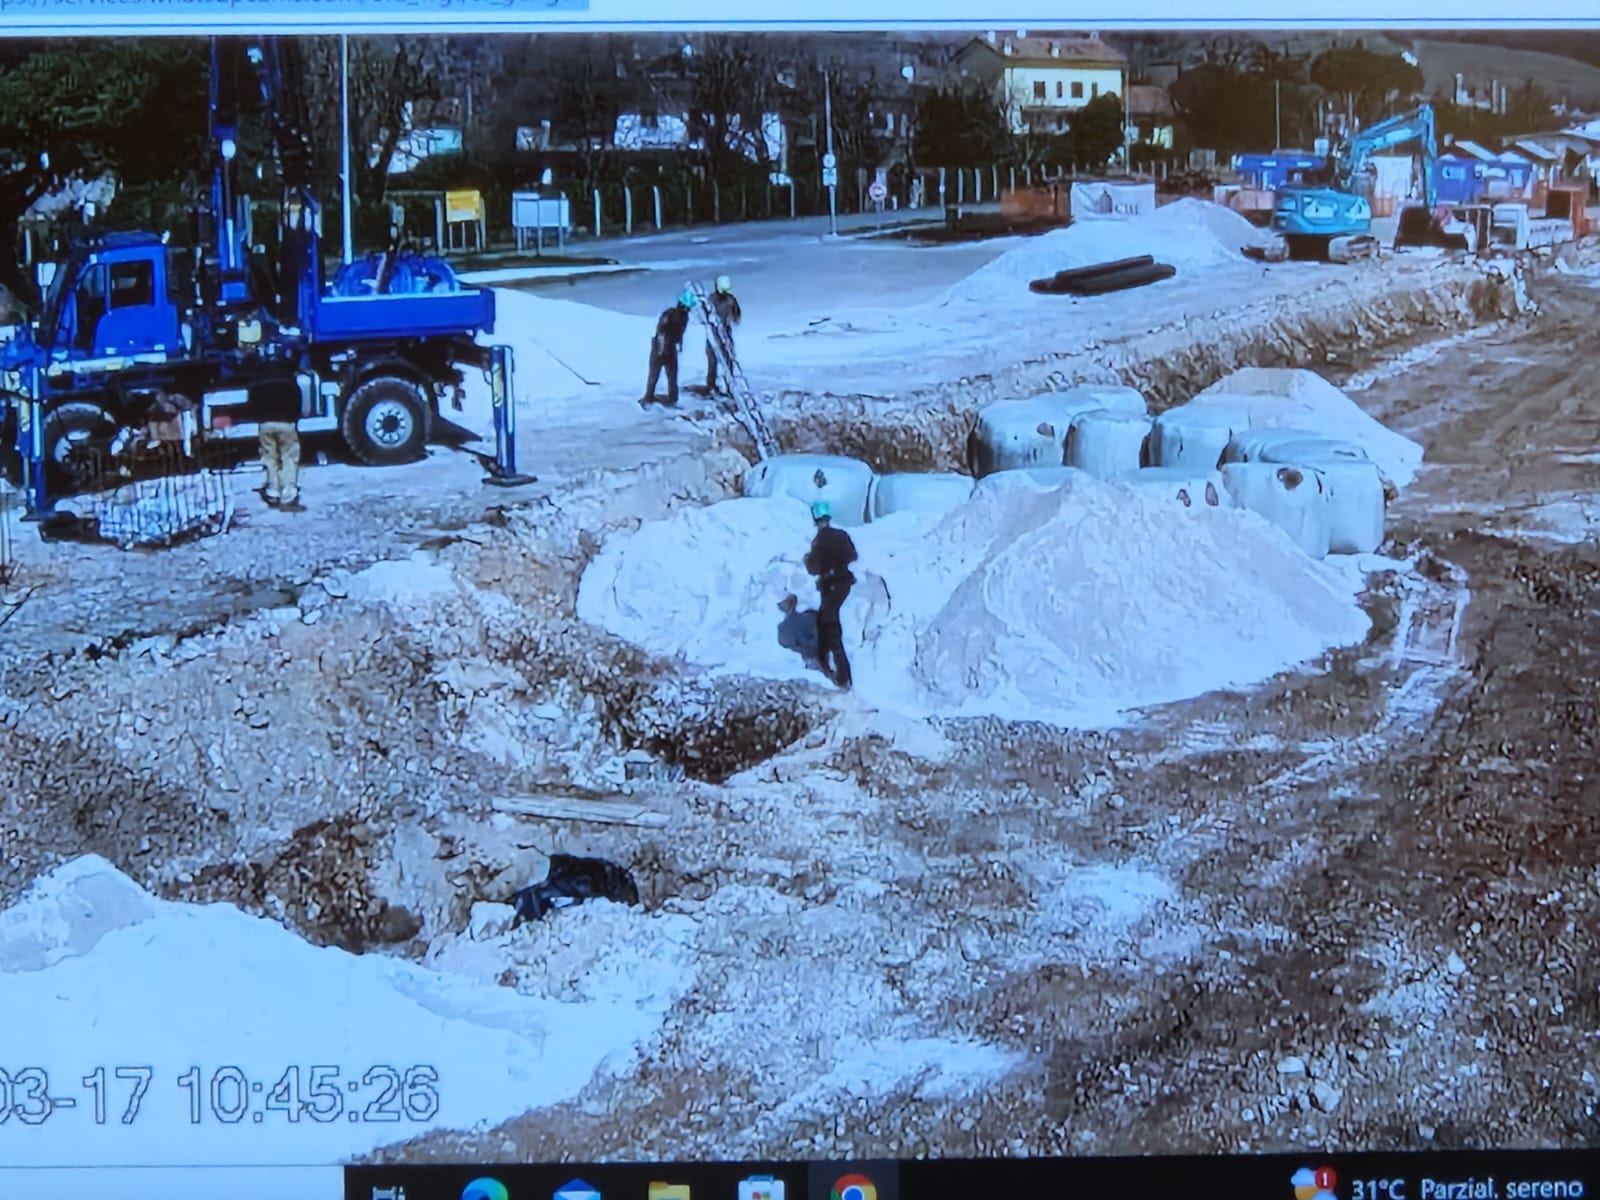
(351, 731)
(927, 430)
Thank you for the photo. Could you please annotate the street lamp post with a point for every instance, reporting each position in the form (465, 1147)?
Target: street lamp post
(830, 164)
(345, 182)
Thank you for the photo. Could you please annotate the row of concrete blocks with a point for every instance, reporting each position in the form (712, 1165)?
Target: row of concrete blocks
(1325, 494)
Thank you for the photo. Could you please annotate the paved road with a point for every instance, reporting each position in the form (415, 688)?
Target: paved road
(776, 266)
(747, 248)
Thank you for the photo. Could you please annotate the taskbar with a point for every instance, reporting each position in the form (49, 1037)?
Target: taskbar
(1432, 1175)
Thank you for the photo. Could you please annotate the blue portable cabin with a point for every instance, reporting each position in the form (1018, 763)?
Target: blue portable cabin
(1269, 172)
(1460, 178)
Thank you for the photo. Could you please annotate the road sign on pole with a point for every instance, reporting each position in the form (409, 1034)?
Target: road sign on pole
(830, 177)
(877, 193)
(829, 161)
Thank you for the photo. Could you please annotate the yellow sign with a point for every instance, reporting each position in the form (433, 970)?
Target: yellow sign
(463, 206)
(669, 1191)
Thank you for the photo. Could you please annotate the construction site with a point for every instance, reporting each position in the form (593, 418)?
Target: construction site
(1218, 774)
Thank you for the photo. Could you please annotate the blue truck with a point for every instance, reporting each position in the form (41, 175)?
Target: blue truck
(128, 323)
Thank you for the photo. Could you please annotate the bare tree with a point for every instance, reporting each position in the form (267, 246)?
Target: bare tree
(388, 75)
(733, 85)
(859, 137)
(584, 100)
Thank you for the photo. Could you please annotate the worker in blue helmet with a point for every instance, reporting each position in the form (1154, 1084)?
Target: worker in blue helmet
(832, 553)
(726, 315)
(671, 328)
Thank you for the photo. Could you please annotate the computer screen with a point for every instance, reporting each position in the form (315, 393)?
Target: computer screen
(634, 607)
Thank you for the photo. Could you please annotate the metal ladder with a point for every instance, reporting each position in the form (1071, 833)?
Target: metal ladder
(746, 409)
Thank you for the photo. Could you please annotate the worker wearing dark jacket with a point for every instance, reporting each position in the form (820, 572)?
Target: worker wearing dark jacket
(726, 315)
(831, 554)
(671, 328)
(275, 402)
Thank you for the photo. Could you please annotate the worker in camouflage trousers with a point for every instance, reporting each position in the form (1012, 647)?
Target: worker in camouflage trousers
(726, 315)
(665, 346)
(832, 552)
(276, 401)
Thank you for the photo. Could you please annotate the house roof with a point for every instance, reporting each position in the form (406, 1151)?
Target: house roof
(1473, 150)
(1147, 100)
(1555, 144)
(1049, 51)
(1535, 151)
(1585, 133)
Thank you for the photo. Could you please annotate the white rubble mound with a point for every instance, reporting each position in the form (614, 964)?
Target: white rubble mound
(1285, 398)
(109, 975)
(1065, 604)
(561, 351)
(1192, 235)
(572, 338)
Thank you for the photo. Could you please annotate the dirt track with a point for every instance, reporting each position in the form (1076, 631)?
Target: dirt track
(1317, 858)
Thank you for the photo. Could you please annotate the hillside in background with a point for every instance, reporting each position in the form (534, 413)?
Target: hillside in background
(1562, 78)
(1565, 64)
(1577, 44)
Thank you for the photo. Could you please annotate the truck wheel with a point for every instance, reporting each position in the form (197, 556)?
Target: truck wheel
(387, 421)
(77, 442)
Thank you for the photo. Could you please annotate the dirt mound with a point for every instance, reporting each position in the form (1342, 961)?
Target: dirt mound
(1192, 235)
(1068, 605)
(1298, 399)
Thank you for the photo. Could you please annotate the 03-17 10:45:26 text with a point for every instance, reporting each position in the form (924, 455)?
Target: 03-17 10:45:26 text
(323, 1094)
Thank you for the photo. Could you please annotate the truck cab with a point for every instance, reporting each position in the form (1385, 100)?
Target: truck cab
(112, 299)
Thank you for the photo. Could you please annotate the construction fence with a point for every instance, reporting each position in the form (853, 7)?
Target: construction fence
(646, 206)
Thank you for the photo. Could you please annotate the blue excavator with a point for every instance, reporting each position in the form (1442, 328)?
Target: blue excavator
(1329, 217)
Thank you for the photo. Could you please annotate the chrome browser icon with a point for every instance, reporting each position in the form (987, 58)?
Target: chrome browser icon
(485, 1189)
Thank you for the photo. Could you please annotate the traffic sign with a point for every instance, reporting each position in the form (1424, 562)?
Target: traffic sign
(877, 192)
(830, 177)
(829, 161)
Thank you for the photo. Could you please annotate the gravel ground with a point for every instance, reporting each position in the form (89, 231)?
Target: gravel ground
(1353, 907)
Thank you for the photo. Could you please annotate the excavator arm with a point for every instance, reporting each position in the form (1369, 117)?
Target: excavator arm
(1351, 156)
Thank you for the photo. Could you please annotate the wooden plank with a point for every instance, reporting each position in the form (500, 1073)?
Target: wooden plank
(621, 811)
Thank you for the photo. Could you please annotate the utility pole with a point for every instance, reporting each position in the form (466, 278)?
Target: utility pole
(1277, 115)
(830, 164)
(346, 182)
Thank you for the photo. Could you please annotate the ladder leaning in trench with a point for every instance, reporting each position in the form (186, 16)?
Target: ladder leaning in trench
(746, 409)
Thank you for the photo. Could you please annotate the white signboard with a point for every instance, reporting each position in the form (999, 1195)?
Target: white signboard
(529, 210)
(1100, 201)
(830, 177)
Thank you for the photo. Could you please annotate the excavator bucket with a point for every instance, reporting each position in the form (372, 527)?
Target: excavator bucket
(1417, 227)
(1423, 226)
